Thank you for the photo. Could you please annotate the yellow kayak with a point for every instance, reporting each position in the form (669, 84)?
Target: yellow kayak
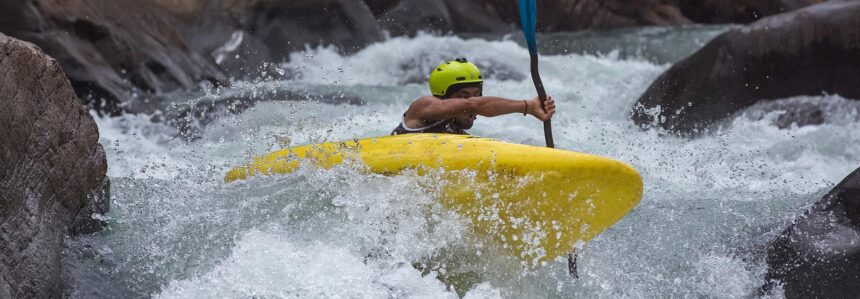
(539, 202)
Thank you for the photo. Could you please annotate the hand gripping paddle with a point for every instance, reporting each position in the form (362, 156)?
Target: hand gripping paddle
(528, 20)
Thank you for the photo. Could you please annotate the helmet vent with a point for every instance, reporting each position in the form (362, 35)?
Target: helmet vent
(461, 78)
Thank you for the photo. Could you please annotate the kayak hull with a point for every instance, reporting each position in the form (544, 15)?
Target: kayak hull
(538, 202)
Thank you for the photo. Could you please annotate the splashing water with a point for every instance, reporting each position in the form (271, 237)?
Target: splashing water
(710, 204)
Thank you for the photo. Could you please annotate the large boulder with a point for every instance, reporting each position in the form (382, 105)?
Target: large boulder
(818, 256)
(809, 51)
(52, 170)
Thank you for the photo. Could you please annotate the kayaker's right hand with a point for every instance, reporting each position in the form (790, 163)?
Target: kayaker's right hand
(536, 111)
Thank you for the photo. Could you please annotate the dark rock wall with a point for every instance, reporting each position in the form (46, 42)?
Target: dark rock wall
(52, 172)
(114, 50)
(806, 52)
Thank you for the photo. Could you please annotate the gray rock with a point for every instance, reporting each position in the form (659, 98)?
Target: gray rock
(568, 15)
(288, 26)
(441, 16)
(737, 11)
(50, 166)
(112, 50)
(818, 256)
(122, 55)
(806, 52)
(4, 289)
(90, 218)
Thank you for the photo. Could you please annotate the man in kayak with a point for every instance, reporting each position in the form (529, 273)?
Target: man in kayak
(457, 99)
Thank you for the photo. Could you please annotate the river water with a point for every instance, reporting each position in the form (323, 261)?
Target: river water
(710, 204)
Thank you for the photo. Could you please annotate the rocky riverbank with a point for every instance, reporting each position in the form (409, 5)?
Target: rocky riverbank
(120, 55)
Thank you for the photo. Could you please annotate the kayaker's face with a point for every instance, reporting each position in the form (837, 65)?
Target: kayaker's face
(465, 93)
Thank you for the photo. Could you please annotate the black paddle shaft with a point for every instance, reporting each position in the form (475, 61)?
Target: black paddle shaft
(547, 125)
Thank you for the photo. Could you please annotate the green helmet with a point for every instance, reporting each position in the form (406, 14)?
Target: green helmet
(451, 73)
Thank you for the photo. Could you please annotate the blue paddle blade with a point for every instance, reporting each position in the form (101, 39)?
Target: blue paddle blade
(528, 20)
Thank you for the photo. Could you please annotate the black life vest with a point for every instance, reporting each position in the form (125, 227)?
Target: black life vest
(444, 126)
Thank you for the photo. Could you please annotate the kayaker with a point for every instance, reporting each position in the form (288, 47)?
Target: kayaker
(457, 99)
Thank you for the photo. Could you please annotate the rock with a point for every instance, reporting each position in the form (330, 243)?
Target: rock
(87, 219)
(379, 7)
(738, 11)
(818, 256)
(121, 55)
(4, 289)
(805, 111)
(52, 176)
(188, 8)
(441, 16)
(806, 52)
(112, 50)
(567, 15)
(212, 28)
(288, 26)
(246, 57)
(245, 37)
(410, 16)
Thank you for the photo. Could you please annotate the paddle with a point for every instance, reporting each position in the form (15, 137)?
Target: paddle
(528, 20)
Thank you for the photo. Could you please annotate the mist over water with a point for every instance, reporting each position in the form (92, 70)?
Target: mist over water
(710, 204)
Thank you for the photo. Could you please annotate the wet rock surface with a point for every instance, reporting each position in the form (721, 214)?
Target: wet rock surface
(805, 52)
(119, 54)
(444, 16)
(113, 51)
(566, 15)
(737, 11)
(52, 177)
(818, 256)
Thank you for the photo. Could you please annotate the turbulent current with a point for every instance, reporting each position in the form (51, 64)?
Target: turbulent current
(710, 204)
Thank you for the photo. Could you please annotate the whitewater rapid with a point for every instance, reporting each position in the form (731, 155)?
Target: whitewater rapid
(710, 204)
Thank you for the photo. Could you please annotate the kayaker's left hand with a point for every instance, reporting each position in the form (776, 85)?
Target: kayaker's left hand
(536, 111)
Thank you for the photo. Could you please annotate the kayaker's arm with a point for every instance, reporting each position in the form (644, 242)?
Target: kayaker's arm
(433, 108)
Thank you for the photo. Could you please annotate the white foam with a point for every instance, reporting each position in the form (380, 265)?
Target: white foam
(266, 265)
